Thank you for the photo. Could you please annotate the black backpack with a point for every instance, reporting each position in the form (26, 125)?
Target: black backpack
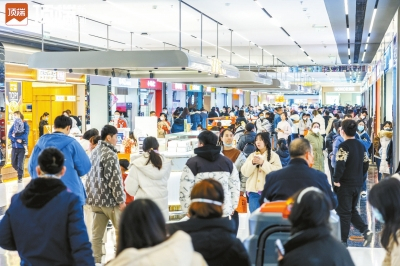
(249, 148)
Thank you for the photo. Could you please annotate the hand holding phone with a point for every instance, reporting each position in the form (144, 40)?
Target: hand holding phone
(280, 249)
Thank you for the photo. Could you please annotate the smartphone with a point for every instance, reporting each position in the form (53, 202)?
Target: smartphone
(279, 247)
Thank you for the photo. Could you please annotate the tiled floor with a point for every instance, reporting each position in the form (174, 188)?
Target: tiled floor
(371, 256)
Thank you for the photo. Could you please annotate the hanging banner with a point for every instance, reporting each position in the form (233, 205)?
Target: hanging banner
(151, 84)
(13, 95)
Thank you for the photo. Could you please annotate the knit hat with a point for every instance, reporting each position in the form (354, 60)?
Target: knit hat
(124, 163)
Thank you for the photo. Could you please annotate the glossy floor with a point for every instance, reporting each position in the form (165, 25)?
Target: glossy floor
(370, 256)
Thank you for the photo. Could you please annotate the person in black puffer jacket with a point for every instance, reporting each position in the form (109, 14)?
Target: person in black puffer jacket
(195, 118)
(311, 236)
(212, 236)
(246, 141)
(283, 152)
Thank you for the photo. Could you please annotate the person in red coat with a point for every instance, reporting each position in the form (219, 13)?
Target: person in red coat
(124, 165)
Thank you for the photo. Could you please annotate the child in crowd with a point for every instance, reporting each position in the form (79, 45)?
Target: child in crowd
(124, 165)
(19, 130)
(283, 152)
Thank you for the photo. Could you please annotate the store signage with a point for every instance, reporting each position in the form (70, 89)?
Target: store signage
(13, 95)
(237, 91)
(210, 89)
(344, 89)
(65, 98)
(343, 68)
(197, 88)
(124, 82)
(151, 84)
(51, 76)
(16, 14)
(178, 87)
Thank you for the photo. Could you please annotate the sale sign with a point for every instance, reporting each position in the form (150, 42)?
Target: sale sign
(13, 95)
(16, 14)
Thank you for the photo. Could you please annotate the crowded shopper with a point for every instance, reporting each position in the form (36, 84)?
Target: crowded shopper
(148, 176)
(351, 165)
(44, 121)
(104, 188)
(246, 141)
(366, 141)
(212, 236)
(257, 166)
(326, 118)
(331, 123)
(195, 118)
(178, 125)
(295, 118)
(329, 144)
(77, 120)
(124, 166)
(277, 119)
(384, 198)
(241, 117)
(311, 237)
(317, 143)
(381, 144)
(143, 239)
(283, 128)
(283, 152)
(238, 158)
(304, 125)
(204, 116)
(85, 141)
(212, 114)
(118, 122)
(210, 162)
(318, 118)
(44, 222)
(262, 124)
(76, 160)
(19, 144)
(298, 174)
(163, 126)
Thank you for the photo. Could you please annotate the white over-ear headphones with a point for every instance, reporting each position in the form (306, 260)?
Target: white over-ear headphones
(304, 191)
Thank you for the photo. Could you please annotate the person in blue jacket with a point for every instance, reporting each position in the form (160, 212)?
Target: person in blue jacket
(204, 116)
(76, 160)
(44, 222)
(18, 151)
(195, 118)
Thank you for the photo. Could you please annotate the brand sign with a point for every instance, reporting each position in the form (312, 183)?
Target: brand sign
(60, 15)
(178, 87)
(150, 84)
(51, 76)
(198, 88)
(65, 98)
(13, 95)
(237, 91)
(124, 82)
(16, 14)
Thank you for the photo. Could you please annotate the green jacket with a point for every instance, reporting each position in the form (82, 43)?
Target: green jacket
(317, 142)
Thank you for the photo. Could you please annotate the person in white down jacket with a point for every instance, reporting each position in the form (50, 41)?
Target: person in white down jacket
(148, 176)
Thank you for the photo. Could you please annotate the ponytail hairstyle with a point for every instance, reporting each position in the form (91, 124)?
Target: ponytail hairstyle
(150, 145)
(94, 140)
(44, 115)
(282, 144)
(265, 137)
(51, 161)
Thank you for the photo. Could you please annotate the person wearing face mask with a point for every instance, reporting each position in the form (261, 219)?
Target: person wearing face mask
(366, 141)
(304, 125)
(238, 158)
(298, 174)
(263, 124)
(56, 232)
(118, 122)
(43, 122)
(169, 117)
(381, 143)
(163, 126)
(384, 198)
(317, 143)
(283, 128)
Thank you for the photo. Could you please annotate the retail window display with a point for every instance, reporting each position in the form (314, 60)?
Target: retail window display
(150, 96)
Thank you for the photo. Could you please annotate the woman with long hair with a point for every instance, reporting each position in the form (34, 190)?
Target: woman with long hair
(257, 166)
(43, 122)
(143, 239)
(238, 158)
(163, 126)
(148, 176)
(283, 128)
(241, 117)
(385, 201)
(381, 143)
(212, 236)
(311, 236)
(317, 142)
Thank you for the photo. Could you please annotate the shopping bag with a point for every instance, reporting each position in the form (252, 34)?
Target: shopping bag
(305, 132)
(242, 206)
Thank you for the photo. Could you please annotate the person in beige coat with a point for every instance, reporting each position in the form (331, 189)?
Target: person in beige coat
(317, 143)
(384, 198)
(143, 239)
(148, 176)
(257, 166)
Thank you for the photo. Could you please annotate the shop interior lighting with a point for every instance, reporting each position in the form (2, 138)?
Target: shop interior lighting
(370, 29)
(346, 11)
(277, 24)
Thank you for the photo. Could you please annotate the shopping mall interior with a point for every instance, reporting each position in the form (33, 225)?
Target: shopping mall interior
(172, 70)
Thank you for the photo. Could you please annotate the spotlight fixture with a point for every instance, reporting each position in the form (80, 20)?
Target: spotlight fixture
(70, 70)
(113, 73)
(183, 68)
(128, 74)
(151, 75)
(199, 71)
(96, 71)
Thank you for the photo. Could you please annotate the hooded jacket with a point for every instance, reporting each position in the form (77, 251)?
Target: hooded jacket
(23, 137)
(204, 116)
(104, 181)
(215, 239)
(246, 138)
(178, 125)
(195, 119)
(317, 144)
(284, 156)
(176, 250)
(76, 161)
(210, 163)
(146, 181)
(309, 247)
(55, 234)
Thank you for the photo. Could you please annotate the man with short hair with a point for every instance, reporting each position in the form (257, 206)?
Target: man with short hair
(210, 163)
(246, 142)
(19, 145)
(277, 119)
(351, 166)
(78, 121)
(104, 188)
(153, 113)
(297, 175)
(76, 160)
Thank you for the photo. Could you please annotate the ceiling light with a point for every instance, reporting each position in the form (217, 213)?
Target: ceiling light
(348, 33)
(349, 62)
(346, 8)
(372, 20)
(363, 57)
(258, 3)
(368, 39)
(348, 51)
(366, 46)
(275, 22)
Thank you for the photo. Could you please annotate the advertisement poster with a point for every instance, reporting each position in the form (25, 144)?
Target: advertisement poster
(13, 96)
